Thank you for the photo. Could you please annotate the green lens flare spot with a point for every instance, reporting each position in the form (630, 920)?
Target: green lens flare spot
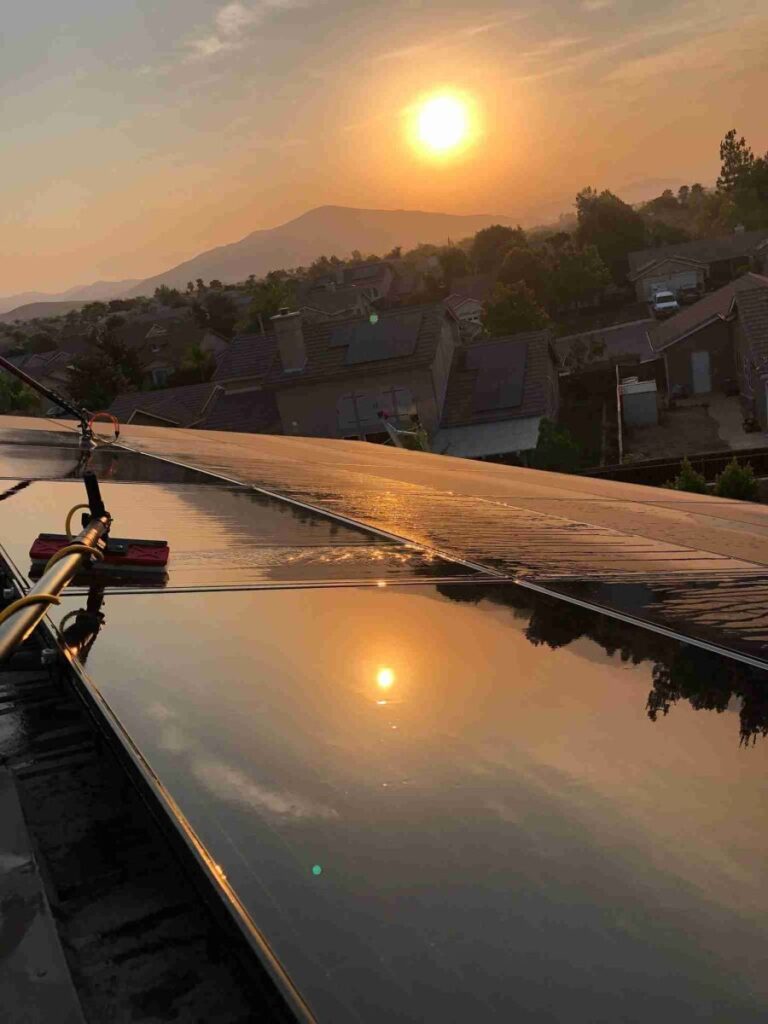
(317, 870)
(373, 318)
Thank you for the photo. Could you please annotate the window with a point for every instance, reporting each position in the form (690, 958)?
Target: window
(160, 376)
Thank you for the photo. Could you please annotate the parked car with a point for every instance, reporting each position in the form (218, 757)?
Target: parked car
(664, 304)
(688, 295)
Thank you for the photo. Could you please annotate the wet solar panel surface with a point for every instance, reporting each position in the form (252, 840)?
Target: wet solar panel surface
(219, 535)
(446, 803)
(450, 800)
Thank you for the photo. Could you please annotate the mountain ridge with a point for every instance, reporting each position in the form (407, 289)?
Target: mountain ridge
(324, 230)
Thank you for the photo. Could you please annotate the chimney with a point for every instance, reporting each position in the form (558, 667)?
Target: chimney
(290, 340)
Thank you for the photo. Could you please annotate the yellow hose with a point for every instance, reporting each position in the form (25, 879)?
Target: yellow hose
(72, 549)
(68, 520)
(24, 602)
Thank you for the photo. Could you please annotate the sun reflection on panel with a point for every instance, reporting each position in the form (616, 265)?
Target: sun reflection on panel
(385, 677)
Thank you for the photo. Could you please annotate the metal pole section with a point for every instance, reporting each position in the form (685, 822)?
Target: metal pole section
(58, 576)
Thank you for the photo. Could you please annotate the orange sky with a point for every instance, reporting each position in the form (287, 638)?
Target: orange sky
(135, 138)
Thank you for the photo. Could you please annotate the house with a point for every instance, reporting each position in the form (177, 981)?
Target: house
(321, 303)
(51, 369)
(334, 379)
(706, 262)
(498, 392)
(204, 406)
(607, 346)
(163, 343)
(751, 349)
(717, 344)
(466, 301)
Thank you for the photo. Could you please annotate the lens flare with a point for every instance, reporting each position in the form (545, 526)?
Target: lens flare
(443, 123)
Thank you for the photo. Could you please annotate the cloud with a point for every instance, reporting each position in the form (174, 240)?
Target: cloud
(596, 5)
(232, 23)
(234, 786)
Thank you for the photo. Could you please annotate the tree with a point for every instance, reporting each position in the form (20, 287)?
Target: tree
(268, 298)
(575, 274)
(490, 246)
(454, 264)
(688, 479)
(613, 227)
(93, 311)
(15, 396)
(216, 284)
(522, 263)
(217, 311)
(40, 341)
(683, 194)
(171, 297)
(555, 449)
(190, 287)
(513, 308)
(197, 366)
(737, 481)
(105, 370)
(737, 161)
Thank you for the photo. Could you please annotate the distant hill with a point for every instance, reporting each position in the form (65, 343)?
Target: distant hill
(32, 310)
(327, 230)
(98, 291)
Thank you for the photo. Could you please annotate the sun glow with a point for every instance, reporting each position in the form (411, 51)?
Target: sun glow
(385, 677)
(442, 123)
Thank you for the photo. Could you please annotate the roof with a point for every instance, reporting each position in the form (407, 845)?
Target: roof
(253, 411)
(620, 341)
(460, 406)
(414, 330)
(480, 440)
(647, 268)
(333, 302)
(248, 356)
(692, 318)
(181, 406)
(705, 250)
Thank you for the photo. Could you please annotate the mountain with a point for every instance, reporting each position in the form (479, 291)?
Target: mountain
(98, 291)
(327, 230)
(33, 310)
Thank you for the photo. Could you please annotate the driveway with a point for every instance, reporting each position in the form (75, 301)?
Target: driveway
(726, 412)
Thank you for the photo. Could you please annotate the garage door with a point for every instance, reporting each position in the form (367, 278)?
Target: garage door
(672, 282)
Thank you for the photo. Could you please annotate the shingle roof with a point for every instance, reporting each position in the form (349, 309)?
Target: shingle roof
(325, 360)
(182, 405)
(248, 355)
(458, 409)
(250, 412)
(752, 307)
(718, 303)
(707, 250)
(618, 341)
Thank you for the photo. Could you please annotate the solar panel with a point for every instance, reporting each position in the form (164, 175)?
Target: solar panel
(387, 339)
(501, 375)
(341, 335)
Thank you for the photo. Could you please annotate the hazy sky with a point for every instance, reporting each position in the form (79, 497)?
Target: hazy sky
(136, 133)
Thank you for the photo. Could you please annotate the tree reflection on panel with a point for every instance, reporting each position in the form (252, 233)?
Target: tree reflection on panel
(680, 671)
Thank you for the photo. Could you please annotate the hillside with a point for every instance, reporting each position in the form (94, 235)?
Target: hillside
(33, 310)
(327, 230)
(99, 291)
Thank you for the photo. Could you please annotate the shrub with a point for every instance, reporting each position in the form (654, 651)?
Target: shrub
(556, 449)
(737, 481)
(689, 480)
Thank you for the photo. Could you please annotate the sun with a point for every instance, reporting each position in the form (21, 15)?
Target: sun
(443, 124)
